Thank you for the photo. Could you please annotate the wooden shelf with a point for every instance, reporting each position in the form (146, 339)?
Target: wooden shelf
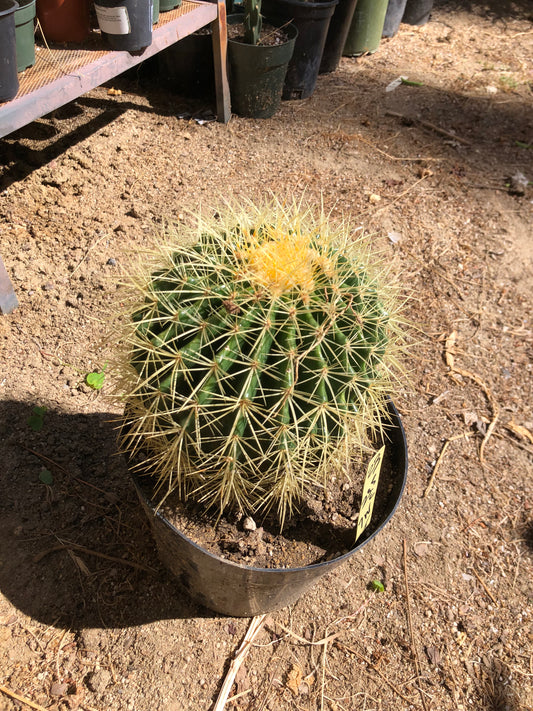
(62, 74)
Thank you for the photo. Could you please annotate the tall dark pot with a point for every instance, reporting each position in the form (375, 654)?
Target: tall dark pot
(126, 24)
(312, 21)
(257, 73)
(187, 67)
(9, 83)
(393, 17)
(417, 12)
(339, 27)
(243, 591)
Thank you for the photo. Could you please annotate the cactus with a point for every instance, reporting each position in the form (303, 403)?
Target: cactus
(252, 21)
(256, 356)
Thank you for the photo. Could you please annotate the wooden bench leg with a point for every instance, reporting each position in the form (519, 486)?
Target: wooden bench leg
(8, 300)
(220, 54)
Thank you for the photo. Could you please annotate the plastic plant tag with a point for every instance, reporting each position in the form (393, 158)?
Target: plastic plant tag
(113, 20)
(369, 491)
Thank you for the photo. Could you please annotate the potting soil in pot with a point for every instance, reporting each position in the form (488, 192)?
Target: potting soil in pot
(324, 528)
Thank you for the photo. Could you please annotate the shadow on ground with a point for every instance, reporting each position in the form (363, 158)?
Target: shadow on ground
(75, 548)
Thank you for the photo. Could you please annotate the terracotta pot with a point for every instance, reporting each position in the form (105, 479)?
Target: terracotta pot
(64, 20)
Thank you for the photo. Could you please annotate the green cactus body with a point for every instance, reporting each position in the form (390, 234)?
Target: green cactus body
(254, 357)
(252, 21)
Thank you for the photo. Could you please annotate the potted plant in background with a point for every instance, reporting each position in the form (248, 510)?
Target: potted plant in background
(256, 360)
(312, 19)
(258, 56)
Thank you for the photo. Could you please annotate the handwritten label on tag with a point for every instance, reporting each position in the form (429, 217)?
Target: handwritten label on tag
(369, 491)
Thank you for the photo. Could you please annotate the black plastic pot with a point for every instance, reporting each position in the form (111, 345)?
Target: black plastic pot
(257, 73)
(312, 21)
(187, 67)
(126, 24)
(9, 83)
(241, 591)
(339, 27)
(393, 17)
(417, 12)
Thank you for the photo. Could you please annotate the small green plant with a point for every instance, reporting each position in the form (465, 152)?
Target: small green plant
(36, 419)
(255, 355)
(377, 586)
(96, 379)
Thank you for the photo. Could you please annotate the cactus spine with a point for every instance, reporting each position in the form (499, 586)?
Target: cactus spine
(255, 356)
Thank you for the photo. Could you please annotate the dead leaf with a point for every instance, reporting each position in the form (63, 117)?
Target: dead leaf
(448, 349)
(58, 689)
(294, 679)
(114, 92)
(433, 655)
(420, 548)
(519, 430)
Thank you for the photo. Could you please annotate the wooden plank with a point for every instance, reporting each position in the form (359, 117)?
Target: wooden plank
(64, 87)
(8, 300)
(220, 56)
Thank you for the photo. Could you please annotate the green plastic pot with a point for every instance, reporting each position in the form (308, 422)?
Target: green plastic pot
(9, 83)
(155, 12)
(25, 34)
(366, 28)
(167, 5)
(257, 73)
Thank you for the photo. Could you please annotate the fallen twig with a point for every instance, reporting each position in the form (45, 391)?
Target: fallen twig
(88, 551)
(20, 698)
(369, 663)
(493, 404)
(428, 124)
(484, 586)
(414, 648)
(255, 626)
(439, 460)
(307, 641)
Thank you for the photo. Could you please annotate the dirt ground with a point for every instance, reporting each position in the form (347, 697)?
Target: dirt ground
(89, 619)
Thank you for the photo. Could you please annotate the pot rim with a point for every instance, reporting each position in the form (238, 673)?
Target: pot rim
(396, 494)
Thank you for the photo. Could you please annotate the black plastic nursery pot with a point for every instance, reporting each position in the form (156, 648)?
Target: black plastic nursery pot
(9, 83)
(366, 29)
(339, 27)
(417, 12)
(126, 24)
(24, 34)
(241, 591)
(312, 22)
(187, 67)
(257, 73)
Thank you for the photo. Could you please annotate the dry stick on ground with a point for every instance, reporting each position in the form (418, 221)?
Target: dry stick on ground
(22, 699)
(410, 625)
(255, 626)
(88, 551)
(368, 662)
(445, 446)
(493, 404)
(484, 586)
(427, 124)
(448, 356)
